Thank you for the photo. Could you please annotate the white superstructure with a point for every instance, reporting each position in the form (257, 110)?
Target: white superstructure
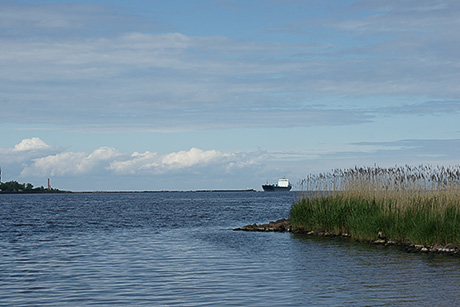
(283, 183)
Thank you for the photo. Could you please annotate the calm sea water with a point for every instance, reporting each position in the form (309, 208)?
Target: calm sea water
(178, 248)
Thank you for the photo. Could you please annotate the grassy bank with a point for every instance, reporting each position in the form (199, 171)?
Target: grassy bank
(420, 205)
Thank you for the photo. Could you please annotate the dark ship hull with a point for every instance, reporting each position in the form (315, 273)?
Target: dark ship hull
(274, 188)
(283, 185)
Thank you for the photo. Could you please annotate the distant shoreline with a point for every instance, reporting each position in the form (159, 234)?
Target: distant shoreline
(35, 192)
(169, 191)
(118, 192)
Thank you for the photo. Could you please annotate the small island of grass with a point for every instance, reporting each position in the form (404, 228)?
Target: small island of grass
(414, 207)
(407, 205)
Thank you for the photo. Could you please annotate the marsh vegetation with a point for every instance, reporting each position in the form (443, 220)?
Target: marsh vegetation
(417, 205)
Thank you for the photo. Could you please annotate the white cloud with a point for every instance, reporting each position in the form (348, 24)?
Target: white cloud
(27, 150)
(100, 155)
(209, 167)
(55, 165)
(34, 143)
(135, 163)
(107, 160)
(70, 163)
(195, 158)
(192, 157)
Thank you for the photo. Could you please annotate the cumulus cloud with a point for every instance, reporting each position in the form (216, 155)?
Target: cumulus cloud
(193, 159)
(210, 166)
(34, 143)
(70, 163)
(26, 150)
(135, 163)
(38, 159)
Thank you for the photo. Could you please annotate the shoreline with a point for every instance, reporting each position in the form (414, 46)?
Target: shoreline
(284, 225)
(120, 192)
(35, 192)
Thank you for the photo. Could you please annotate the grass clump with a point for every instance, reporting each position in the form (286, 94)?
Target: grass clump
(420, 205)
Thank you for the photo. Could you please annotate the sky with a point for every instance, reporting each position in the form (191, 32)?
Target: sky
(224, 94)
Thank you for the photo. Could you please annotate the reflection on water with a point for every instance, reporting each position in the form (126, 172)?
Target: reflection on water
(179, 249)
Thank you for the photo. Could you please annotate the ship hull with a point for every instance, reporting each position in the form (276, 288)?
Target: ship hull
(274, 188)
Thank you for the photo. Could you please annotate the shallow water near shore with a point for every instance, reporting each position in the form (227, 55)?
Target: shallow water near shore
(178, 248)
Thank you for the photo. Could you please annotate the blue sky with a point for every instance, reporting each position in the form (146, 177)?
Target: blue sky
(223, 94)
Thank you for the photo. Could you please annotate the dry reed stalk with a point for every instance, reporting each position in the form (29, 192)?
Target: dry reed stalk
(404, 187)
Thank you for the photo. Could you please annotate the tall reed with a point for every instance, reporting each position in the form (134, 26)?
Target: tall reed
(417, 204)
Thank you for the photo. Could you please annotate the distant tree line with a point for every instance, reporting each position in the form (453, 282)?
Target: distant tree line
(16, 187)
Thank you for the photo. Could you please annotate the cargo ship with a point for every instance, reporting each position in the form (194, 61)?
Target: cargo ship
(282, 185)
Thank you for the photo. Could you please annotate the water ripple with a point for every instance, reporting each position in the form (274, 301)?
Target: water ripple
(178, 249)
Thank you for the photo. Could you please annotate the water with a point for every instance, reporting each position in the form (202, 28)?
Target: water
(178, 249)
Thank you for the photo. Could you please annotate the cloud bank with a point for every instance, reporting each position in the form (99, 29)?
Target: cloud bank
(36, 160)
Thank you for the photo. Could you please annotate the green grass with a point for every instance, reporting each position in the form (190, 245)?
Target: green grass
(402, 204)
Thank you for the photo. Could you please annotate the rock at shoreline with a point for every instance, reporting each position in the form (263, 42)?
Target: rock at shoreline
(284, 225)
